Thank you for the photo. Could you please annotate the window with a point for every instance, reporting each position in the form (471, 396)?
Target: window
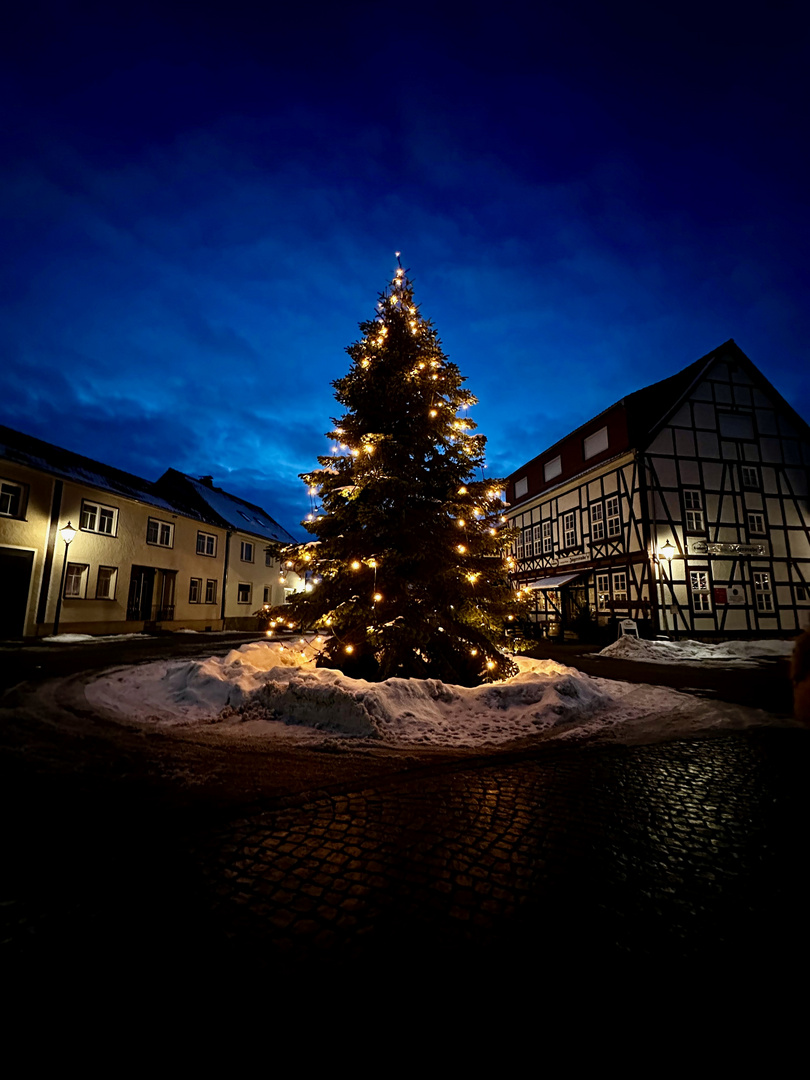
(159, 532)
(603, 591)
(801, 594)
(243, 592)
(538, 540)
(614, 521)
(595, 443)
(693, 511)
(206, 544)
(699, 587)
(519, 545)
(762, 590)
(247, 551)
(267, 594)
(620, 587)
(552, 468)
(268, 557)
(597, 522)
(105, 582)
(750, 476)
(194, 590)
(12, 499)
(756, 523)
(546, 537)
(210, 592)
(521, 487)
(570, 529)
(243, 514)
(98, 518)
(76, 580)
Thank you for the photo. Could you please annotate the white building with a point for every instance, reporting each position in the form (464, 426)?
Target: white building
(143, 556)
(683, 506)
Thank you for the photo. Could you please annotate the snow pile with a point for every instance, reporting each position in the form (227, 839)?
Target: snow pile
(695, 653)
(267, 690)
(71, 639)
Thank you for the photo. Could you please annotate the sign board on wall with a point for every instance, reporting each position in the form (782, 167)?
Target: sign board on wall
(703, 547)
(736, 595)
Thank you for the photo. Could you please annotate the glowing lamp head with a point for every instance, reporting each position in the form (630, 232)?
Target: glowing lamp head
(355, 565)
(377, 597)
(68, 533)
(668, 550)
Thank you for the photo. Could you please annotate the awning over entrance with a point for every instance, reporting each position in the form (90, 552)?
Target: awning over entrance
(552, 582)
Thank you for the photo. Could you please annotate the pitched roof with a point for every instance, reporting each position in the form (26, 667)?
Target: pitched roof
(224, 509)
(67, 465)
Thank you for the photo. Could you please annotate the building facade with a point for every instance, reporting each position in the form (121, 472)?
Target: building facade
(684, 506)
(142, 556)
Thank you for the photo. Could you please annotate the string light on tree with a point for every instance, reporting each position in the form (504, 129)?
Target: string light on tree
(397, 490)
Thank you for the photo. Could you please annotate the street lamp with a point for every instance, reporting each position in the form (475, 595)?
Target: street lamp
(666, 552)
(67, 535)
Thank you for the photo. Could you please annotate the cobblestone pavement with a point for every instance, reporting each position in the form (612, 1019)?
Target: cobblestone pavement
(561, 859)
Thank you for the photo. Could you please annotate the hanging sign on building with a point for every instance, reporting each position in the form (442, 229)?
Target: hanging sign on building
(703, 547)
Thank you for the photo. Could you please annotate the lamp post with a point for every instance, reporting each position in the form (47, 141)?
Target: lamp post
(67, 535)
(667, 551)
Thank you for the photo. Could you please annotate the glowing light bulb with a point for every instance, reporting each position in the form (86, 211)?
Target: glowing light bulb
(355, 565)
(462, 491)
(461, 549)
(461, 523)
(349, 648)
(377, 597)
(473, 652)
(490, 664)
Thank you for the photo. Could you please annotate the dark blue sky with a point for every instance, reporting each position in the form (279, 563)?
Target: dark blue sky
(198, 207)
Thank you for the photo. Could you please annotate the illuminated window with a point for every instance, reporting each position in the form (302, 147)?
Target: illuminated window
(206, 544)
(603, 592)
(699, 588)
(98, 518)
(693, 511)
(620, 588)
(160, 533)
(105, 582)
(243, 592)
(76, 580)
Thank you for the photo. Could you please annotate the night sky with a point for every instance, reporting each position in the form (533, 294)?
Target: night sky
(199, 206)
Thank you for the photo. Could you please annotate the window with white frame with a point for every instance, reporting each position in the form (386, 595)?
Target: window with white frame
(247, 551)
(76, 580)
(693, 510)
(569, 529)
(756, 523)
(603, 592)
(552, 468)
(160, 533)
(210, 592)
(243, 592)
(106, 582)
(267, 594)
(763, 591)
(527, 542)
(268, 557)
(538, 539)
(519, 544)
(206, 544)
(699, 588)
(750, 476)
(12, 499)
(99, 519)
(614, 520)
(547, 542)
(195, 590)
(597, 522)
(620, 587)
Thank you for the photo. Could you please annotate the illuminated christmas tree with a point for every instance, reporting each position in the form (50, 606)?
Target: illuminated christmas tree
(408, 576)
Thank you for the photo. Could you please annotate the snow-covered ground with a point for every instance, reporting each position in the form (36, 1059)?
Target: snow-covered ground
(695, 653)
(72, 639)
(275, 690)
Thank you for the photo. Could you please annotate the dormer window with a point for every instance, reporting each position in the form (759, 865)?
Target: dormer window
(521, 487)
(552, 468)
(595, 444)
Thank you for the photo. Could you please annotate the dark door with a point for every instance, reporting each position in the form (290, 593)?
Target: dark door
(141, 587)
(165, 611)
(15, 582)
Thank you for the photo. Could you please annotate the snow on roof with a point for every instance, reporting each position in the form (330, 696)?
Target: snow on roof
(67, 465)
(233, 511)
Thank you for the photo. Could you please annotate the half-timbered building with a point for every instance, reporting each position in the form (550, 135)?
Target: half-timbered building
(684, 506)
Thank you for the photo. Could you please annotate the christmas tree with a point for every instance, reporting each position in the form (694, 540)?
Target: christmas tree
(409, 573)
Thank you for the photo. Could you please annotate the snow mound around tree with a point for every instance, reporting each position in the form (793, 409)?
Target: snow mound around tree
(727, 653)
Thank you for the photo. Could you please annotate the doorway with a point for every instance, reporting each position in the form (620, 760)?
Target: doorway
(15, 585)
